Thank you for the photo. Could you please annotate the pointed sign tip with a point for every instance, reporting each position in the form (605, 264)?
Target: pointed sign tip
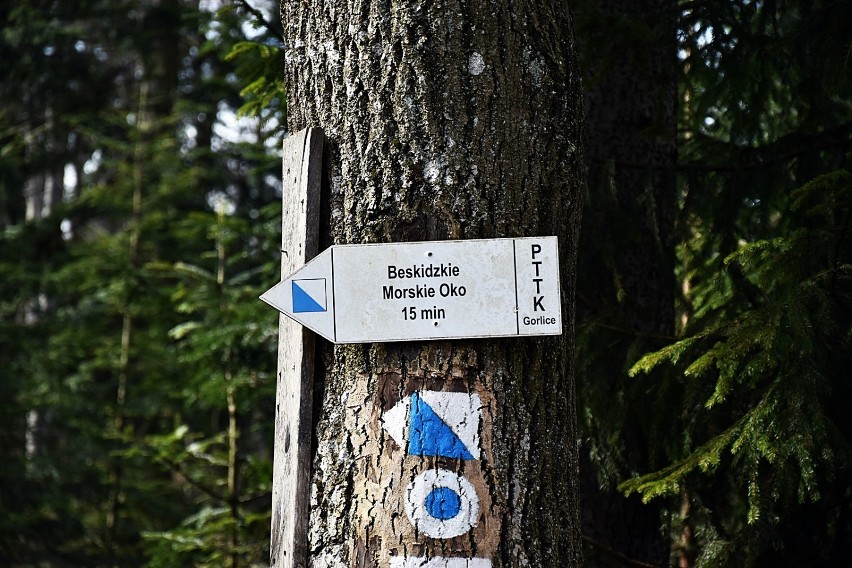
(265, 296)
(269, 297)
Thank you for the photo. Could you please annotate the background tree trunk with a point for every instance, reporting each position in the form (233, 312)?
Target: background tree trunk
(445, 120)
(631, 104)
(628, 49)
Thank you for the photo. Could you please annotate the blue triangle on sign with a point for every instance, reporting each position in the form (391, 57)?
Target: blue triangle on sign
(430, 436)
(304, 303)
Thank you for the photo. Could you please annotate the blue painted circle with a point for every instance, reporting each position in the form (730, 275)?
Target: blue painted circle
(443, 503)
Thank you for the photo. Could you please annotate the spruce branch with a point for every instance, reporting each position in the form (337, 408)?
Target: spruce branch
(262, 19)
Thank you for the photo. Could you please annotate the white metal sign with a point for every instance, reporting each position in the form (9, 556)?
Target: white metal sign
(426, 290)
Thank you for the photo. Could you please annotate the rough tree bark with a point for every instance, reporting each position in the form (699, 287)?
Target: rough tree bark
(445, 120)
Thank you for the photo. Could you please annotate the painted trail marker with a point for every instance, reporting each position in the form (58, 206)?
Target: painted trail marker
(427, 452)
(438, 562)
(426, 290)
(441, 504)
(291, 473)
(436, 423)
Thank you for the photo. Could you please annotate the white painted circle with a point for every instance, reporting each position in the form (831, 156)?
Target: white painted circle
(418, 512)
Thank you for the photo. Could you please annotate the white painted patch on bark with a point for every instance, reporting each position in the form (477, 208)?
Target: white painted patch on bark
(475, 63)
(432, 171)
(395, 421)
(330, 559)
(438, 562)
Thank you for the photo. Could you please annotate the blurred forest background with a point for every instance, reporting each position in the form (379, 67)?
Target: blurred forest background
(139, 221)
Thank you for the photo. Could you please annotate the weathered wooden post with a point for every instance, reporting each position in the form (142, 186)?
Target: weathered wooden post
(301, 173)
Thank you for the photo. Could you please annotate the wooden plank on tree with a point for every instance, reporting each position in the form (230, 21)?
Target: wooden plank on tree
(302, 168)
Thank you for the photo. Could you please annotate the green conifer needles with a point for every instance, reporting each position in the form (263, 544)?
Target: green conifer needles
(772, 366)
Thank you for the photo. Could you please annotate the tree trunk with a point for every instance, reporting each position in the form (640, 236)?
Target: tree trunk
(444, 120)
(629, 52)
(631, 103)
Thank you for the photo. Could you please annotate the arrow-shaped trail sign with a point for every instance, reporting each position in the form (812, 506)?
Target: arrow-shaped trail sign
(426, 290)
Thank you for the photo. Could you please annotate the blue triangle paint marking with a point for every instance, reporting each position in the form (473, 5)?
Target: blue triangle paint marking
(430, 436)
(304, 303)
